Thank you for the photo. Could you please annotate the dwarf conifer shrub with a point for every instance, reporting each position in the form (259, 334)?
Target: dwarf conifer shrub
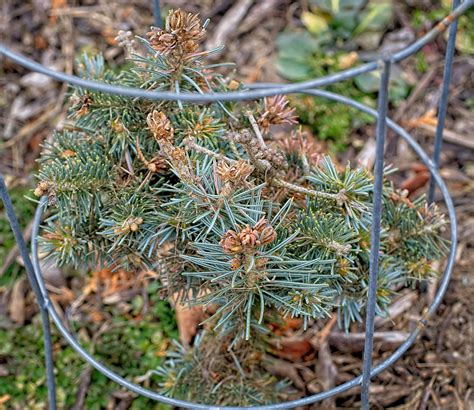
(231, 205)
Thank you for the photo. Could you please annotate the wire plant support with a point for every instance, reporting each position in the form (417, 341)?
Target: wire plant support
(257, 91)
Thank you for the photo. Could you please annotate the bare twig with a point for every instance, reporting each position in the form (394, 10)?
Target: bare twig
(305, 162)
(262, 10)
(450, 136)
(191, 143)
(328, 372)
(285, 369)
(84, 382)
(322, 336)
(354, 342)
(228, 24)
(265, 167)
(256, 130)
(302, 190)
(399, 306)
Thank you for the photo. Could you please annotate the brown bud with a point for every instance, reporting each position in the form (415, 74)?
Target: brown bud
(43, 188)
(157, 165)
(261, 263)
(248, 236)
(68, 153)
(132, 224)
(117, 126)
(233, 85)
(231, 243)
(262, 223)
(248, 239)
(178, 154)
(160, 126)
(235, 173)
(276, 112)
(166, 37)
(235, 264)
(267, 236)
(181, 35)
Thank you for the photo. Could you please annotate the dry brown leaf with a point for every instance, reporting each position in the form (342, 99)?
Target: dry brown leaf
(17, 302)
(428, 118)
(4, 399)
(416, 182)
(293, 349)
(55, 5)
(289, 324)
(419, 167)
(285, 370)
(96, 316)
(188, 320)
(106, 282)
(62, 295)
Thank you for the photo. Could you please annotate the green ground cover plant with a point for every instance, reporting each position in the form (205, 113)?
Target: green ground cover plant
(336, 36)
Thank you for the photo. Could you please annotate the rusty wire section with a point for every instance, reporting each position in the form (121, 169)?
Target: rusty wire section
(256, 91)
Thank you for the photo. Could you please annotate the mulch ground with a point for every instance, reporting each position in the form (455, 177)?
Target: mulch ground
(437, 372)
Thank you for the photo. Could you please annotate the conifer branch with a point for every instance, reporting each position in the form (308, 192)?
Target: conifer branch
(191, 143)
(238, 243)
(310, 192)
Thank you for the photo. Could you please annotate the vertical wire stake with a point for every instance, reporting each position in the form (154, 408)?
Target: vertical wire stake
(157, 13)
(443, 102)
(48, 349)
(381, 132)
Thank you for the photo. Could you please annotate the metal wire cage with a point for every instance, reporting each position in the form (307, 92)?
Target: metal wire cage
(256, 91)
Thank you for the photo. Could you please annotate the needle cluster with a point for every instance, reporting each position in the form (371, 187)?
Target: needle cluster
(256, 223)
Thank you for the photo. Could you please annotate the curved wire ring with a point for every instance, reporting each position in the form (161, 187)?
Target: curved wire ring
(306, 400)
(269, 90)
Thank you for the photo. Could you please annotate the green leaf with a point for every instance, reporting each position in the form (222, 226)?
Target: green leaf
(375, 17)
(368, 82)
(293, 70)
(465, 36)
(297, 45)
(344, 23)
(315, 23)
(337, 6)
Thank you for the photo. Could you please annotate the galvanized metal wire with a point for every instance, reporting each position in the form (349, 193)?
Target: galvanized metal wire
(256, 91)
(443, 104)
(380, 135)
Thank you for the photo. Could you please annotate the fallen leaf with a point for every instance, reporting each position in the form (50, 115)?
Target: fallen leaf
(106, 282)
(55, 5)
(419, 167)
(17, 302)
(62, 295)
(416, 181)
(4, 399)
(348, 60)
(315, 23)
(428, 118)
(188, 320)
(288, 324)
(284, 370)
(96, 316)
(293, 349)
